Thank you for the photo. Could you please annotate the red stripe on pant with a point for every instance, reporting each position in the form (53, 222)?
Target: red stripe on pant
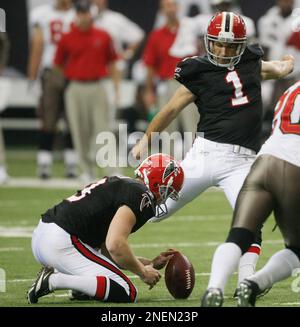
(91, 256)
(101, 288)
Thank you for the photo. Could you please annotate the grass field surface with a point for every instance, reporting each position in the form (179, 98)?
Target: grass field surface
(196, 230)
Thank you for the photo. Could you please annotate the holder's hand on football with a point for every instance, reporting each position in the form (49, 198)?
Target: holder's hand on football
(151, 276)
(162, 259)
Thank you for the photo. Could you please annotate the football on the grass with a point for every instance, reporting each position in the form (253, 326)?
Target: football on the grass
(180, 276)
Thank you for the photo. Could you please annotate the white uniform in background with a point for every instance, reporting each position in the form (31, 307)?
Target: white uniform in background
(53, 23)
(274, 31)
(121, 29)
(185, 5)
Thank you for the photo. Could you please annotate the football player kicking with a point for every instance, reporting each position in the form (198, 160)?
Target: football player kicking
(226, 87)
(273, 184)
(102, 216)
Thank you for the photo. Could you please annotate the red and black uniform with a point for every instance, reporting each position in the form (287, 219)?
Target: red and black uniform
(88, 214)
(227, 115)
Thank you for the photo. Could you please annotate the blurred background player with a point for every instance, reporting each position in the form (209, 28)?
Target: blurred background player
(273, 185)
(47, 24)
(4, 50)
(127, 38)
(160, 65)
(126, 35)
(87, 57)
(103, 215)
(276, 36)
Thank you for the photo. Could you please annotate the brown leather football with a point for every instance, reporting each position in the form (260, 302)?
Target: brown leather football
(180, 276)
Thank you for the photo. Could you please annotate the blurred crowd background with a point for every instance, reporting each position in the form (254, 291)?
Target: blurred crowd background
(71, 69)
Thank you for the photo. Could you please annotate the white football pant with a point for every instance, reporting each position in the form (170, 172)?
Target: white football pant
(211, 164)
(54, 247)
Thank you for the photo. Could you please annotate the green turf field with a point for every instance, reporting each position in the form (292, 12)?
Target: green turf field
(195, 230)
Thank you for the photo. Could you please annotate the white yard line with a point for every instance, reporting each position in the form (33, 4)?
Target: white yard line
(54, 183)
(26, 232)
(192, 218)
(192, 244)
(64, 295)
(57, 183)
(129, 276)
(12, 249)
(20, 280)
(20, 232)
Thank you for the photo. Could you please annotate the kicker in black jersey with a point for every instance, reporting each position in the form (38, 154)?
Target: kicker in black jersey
(89, 212)
(229, 101)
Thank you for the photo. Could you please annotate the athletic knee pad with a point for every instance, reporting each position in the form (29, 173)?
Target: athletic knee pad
(242, 237)
(295, 250)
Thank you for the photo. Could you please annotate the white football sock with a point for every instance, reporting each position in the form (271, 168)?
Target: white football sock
(279, 267)
(84, 284)
(224, 264)
(44, 157)
(248, 262)
(70, 157)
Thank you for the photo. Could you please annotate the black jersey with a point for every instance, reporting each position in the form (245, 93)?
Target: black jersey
(88, 213)
(229, 101)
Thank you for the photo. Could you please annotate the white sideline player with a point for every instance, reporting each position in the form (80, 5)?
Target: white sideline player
(47, 24)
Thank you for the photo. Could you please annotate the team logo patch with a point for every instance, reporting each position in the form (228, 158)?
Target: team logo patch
(146, 201)
(177, 72)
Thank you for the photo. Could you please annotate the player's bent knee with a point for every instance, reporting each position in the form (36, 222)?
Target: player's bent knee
(242, 237)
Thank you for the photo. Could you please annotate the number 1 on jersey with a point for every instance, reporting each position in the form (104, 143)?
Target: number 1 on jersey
(239, 99)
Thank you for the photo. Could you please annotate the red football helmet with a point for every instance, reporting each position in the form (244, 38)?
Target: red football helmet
(226, 27)
(163, 176)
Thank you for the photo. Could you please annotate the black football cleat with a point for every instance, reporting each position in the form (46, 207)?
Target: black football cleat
(259, 294)
(247, 293)
(41, 286)
(213, 297)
